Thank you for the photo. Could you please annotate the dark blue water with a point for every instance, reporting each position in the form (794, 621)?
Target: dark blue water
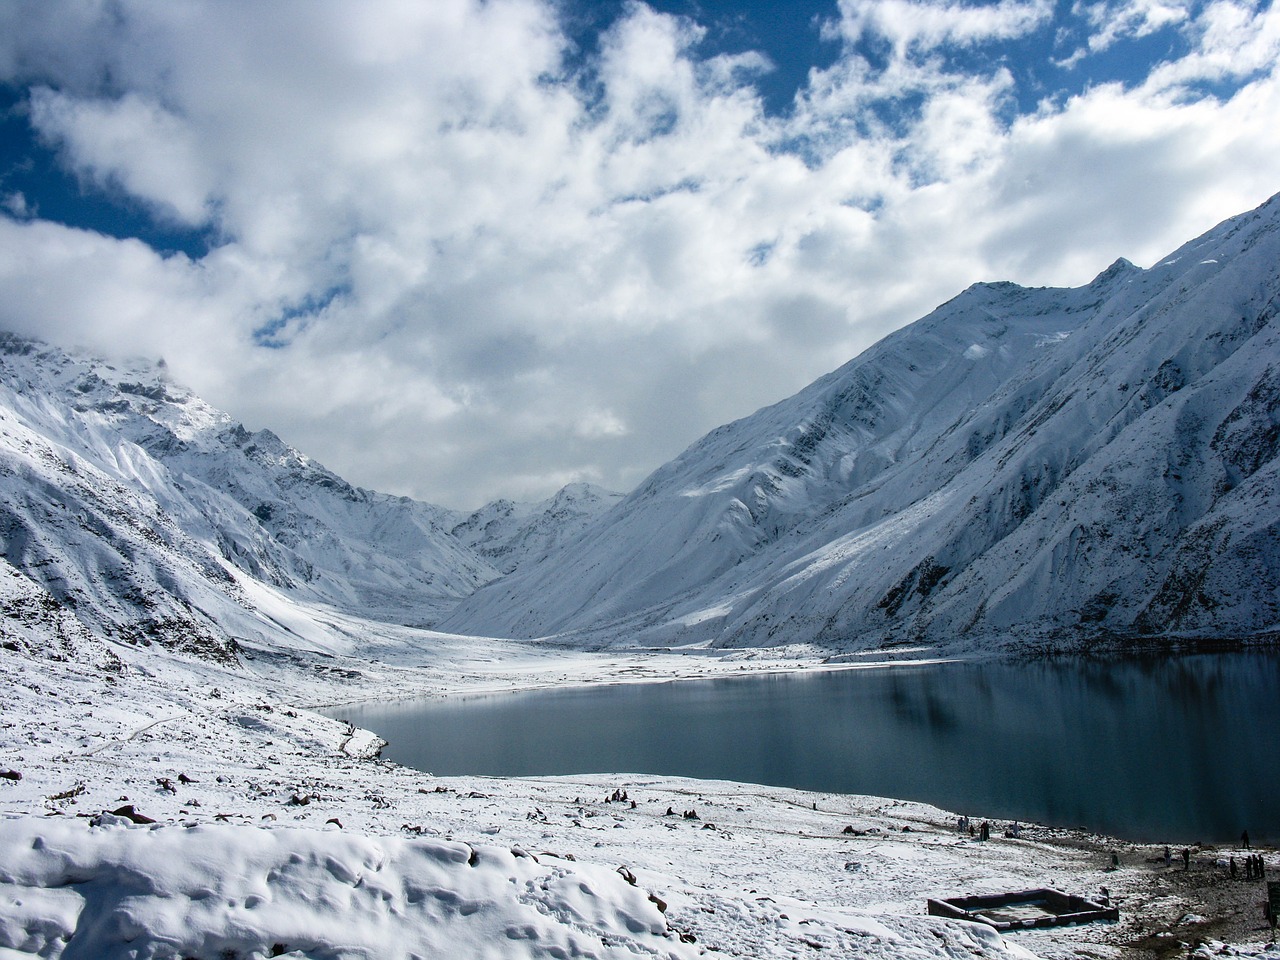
(1160, 749)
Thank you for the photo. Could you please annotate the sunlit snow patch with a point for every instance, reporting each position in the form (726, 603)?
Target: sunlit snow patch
(117, 890)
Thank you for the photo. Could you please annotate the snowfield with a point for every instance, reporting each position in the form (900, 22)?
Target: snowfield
(214, 890)
(278, 832)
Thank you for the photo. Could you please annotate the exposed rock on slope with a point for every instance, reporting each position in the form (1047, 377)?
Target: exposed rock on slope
(1050, 466)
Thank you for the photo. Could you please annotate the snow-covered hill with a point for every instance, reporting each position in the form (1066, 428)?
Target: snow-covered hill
(1050, 466)
(133, 502)
(1053, 466)
(514, 536)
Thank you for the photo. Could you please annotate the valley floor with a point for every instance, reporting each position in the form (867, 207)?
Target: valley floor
(278, 832)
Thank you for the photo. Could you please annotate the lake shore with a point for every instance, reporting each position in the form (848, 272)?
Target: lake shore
(759, 871)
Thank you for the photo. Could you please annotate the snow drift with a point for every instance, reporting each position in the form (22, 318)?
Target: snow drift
(116, 890)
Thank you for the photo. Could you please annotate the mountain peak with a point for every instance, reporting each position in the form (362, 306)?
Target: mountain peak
(1121, 268)
(1034, 465)
(513, 536)
(177, 485)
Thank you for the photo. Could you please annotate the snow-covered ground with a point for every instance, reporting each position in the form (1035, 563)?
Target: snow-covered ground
(278, 832)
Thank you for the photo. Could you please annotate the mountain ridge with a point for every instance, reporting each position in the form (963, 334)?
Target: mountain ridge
(152, 515)
(1048, 467)
(857, 513)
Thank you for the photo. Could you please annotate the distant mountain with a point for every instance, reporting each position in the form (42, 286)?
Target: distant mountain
(1052, 467)
(513, 536)
(131, 508)
(118, 463)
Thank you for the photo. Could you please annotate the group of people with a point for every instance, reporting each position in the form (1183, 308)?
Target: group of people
(983, 830)
(1255, 867)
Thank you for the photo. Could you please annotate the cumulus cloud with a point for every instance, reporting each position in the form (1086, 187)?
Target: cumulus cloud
(454, 261)
(1229, 40)
(16, 203)
(1111, 21)
(921, 25)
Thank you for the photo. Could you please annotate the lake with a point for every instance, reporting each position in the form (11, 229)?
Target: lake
(1174, 749)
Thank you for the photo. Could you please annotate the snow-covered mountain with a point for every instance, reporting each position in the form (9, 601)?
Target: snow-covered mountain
(123, 492)
(149, 513)
(1053, 466)
(513, 535)
(1049, 466)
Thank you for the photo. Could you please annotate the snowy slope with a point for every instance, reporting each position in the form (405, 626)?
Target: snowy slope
(513, 535)
(113, 890)
(1051, 466)
(132, 500)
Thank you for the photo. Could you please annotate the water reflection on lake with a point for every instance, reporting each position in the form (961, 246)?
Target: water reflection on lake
(1177, 749)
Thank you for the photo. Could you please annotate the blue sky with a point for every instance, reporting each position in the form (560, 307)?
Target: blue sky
(788, 32)
(468, 249)
(49, 190)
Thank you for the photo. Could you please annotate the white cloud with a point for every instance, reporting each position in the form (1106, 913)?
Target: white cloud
(958, 130)
(913, 25)
(130, 144)
(485, 276)
(599, 423)
(1230, 40)
(1112, 21)
(16, 203)
(75, 286)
